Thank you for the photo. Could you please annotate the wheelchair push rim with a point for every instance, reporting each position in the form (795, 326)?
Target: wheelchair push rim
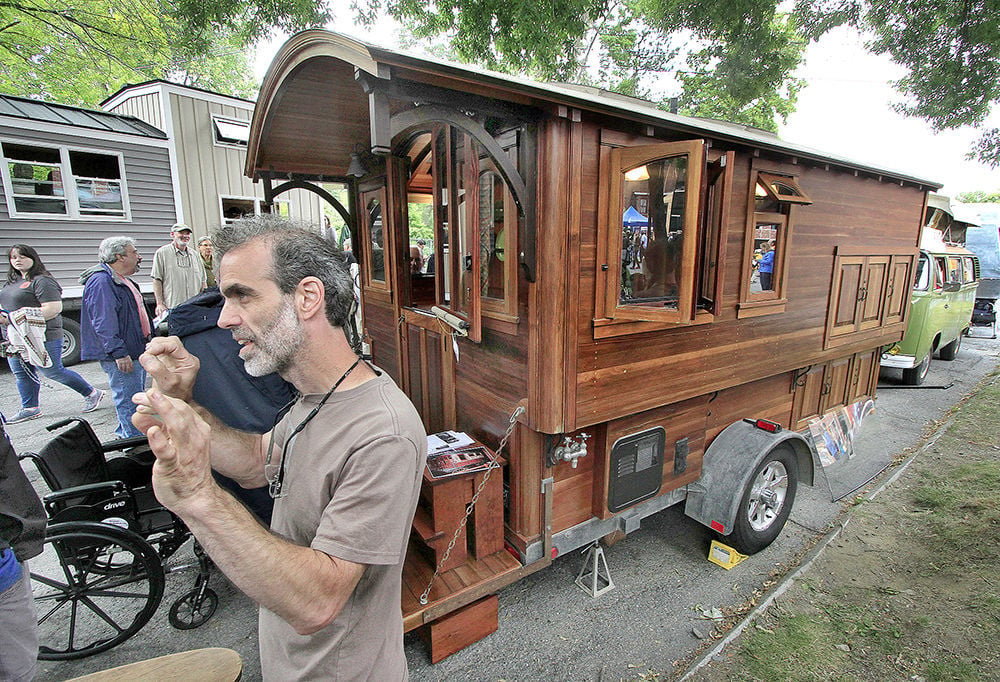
(94, 586)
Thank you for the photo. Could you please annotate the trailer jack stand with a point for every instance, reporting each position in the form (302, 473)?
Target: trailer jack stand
(594, 577)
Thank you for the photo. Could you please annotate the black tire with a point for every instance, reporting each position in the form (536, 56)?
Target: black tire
(916, 375)
(193, 609)
(94, 586)
(766, 502)
(950, 351)
(71, 342)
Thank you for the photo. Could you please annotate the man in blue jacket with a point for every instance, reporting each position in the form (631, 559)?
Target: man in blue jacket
(116, 325)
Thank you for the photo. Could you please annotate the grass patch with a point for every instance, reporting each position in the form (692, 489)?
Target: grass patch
(965, 506)
(801, 649)
(953, 669)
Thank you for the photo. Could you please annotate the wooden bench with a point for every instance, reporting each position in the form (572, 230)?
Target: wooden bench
(198, 665)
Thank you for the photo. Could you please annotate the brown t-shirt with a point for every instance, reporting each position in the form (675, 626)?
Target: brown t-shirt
(352, 479)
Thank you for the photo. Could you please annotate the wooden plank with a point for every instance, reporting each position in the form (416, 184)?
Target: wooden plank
(461, 628)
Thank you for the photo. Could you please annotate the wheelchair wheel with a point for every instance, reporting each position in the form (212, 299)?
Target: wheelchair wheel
(94, 586)
(193, 609)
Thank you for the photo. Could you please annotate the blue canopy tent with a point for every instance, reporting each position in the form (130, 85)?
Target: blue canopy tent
(632, 218)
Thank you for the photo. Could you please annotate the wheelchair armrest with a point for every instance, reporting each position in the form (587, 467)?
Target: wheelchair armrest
(111, 487)
(123, 444)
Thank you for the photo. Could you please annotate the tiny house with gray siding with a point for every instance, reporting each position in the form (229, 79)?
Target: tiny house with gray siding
(70, 178)
(207, 134)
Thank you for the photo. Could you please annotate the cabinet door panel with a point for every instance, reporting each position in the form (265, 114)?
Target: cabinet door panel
(836, 379)
(897, 295)
(808, 396)
(846, 288)
(874, 291)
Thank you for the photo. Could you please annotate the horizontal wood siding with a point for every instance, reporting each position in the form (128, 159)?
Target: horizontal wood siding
(70, 246)
(632, 373)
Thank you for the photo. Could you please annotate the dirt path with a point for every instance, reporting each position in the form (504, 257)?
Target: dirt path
(910, 589)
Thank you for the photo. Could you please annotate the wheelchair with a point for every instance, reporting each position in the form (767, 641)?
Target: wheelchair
(101, 575)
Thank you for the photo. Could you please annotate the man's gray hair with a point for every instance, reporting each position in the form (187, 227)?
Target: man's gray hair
(112, 247)
(296, 253)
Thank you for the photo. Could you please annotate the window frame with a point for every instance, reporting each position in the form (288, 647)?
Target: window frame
(257, 202)
(217, 132)
(773, 301)
(610, 311)
(71, 195)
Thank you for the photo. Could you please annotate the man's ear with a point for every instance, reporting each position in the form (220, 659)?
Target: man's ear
(310, 297)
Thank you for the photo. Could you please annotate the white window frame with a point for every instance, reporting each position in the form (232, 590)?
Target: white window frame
(256, 201)
(229, 121)
(71, 193)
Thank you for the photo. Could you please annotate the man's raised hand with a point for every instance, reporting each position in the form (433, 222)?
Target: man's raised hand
(172, 367)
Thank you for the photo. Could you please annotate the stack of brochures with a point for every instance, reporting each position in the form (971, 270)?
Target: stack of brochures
(451, 453)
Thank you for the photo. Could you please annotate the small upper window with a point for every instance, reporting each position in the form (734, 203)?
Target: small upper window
(781, 188)
(970, 269)
(231, 131)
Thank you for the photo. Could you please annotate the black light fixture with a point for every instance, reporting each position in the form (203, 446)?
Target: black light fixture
(356, 168)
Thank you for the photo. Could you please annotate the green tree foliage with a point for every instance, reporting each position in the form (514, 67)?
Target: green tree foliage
(81, 51)
(979, 197)
(728, 59)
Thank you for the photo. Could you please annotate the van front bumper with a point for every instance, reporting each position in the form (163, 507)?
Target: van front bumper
(898, 361)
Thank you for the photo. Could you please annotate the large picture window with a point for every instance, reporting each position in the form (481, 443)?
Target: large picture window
(660, 262)
(59, 182)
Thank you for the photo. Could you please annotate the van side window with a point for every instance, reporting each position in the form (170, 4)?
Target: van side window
(970, 270)
(954, 269)
(940, 268)
(923, 278)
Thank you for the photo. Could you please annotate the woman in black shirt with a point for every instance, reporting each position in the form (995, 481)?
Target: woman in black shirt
(29, 285)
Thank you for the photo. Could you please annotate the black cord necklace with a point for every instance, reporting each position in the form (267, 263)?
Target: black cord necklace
(277, 481)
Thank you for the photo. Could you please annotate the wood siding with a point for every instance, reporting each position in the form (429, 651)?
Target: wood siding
(636, 372)
(69, 246)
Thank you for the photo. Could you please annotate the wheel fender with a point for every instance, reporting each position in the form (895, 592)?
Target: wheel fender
(730, 460)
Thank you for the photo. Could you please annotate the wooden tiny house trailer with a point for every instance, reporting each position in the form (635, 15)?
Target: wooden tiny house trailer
(636, 346)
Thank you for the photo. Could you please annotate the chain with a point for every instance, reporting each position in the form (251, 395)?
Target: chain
(518, 411)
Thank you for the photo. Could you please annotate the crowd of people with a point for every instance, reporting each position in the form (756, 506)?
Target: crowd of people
(342, 464)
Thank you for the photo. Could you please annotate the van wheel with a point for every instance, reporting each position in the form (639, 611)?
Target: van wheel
(951, 350)
(70, 342)
(916, 375)
(766, 502)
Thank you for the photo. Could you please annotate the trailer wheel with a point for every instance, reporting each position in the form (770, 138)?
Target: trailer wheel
(949, 351)
(916, 375)
(766, 502)
(70, 342)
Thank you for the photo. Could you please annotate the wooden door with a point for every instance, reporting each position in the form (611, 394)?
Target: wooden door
(808, 396)
(428, 368)
(836, 380)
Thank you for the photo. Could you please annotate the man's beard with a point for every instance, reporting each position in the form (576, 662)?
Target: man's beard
(274, 348)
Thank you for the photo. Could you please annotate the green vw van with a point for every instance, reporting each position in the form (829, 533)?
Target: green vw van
(944, 295)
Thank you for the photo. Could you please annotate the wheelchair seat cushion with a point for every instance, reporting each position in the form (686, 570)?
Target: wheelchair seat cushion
(73, 458)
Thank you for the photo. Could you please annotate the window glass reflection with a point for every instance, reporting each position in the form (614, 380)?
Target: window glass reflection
(373, 211)
(766, 242)
(653, 232)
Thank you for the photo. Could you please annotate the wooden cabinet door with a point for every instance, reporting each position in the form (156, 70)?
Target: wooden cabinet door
(845, 304)
(897, 294)
(808, 396)
(864, 372)
(836, 379)
(872, 295)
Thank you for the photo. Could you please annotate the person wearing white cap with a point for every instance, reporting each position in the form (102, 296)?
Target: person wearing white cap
(178, 273)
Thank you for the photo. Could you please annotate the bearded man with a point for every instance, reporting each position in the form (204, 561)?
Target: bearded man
(344, 464)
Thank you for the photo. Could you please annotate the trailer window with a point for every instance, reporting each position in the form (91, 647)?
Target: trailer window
(659, 261)
(769, 223)
(970, 270)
